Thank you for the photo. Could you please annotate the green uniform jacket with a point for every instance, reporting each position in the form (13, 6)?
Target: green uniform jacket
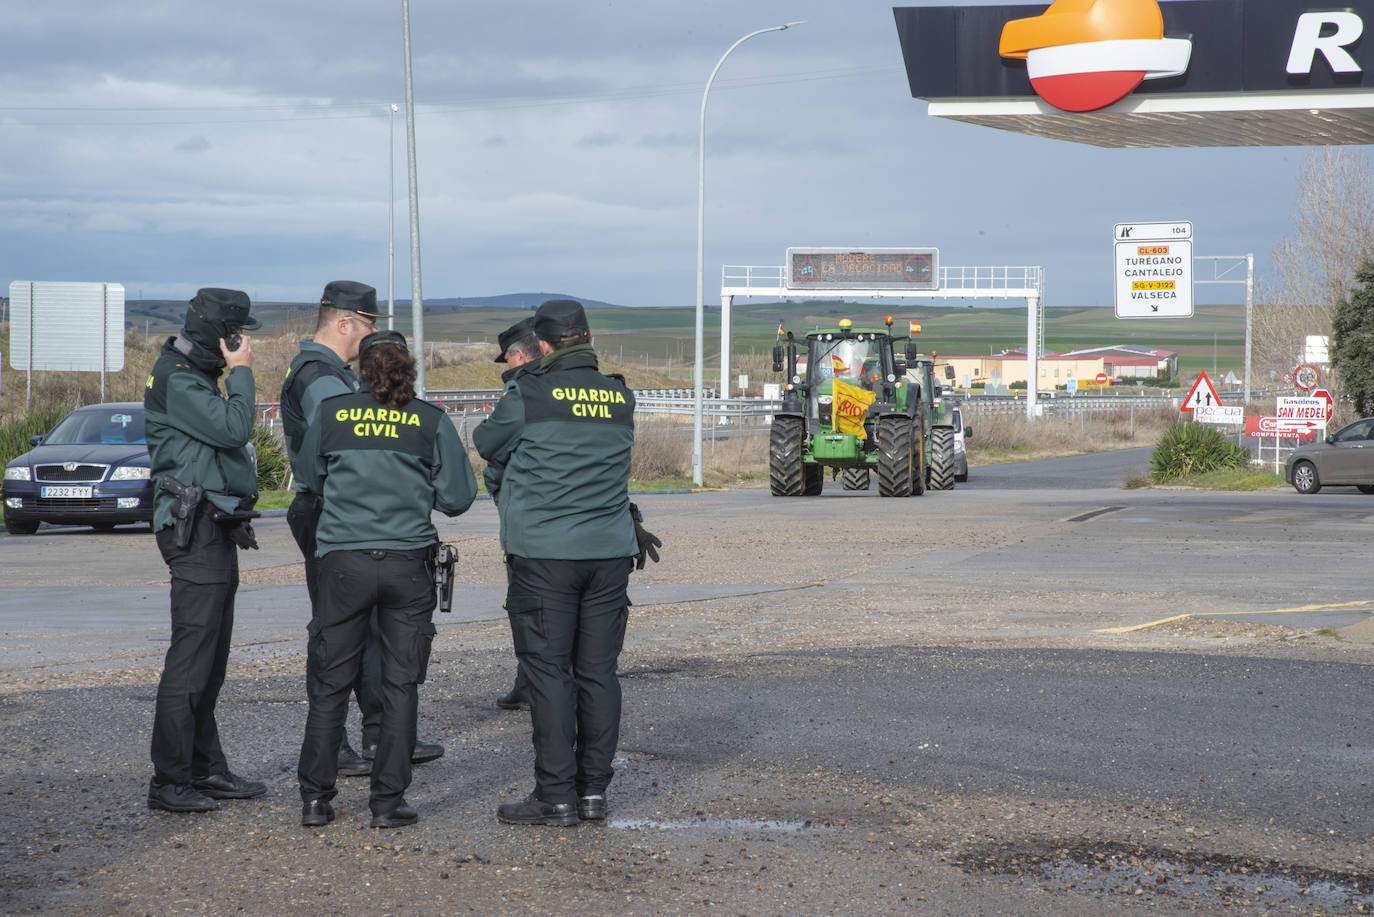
(560, 440)
(491, 474)
(196, 434)
(382, 471)
(315, 374)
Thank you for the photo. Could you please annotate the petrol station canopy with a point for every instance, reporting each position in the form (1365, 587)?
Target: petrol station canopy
(1146, 73)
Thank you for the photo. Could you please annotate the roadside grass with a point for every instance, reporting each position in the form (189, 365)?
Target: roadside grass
(274, 499)
(1236, 479)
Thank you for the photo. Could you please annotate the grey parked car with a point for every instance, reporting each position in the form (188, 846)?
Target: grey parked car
(1345, 458)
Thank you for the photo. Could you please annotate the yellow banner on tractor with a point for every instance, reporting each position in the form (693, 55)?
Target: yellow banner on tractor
(851, 406)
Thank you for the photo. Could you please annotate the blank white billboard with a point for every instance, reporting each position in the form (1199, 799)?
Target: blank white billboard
(66, 327)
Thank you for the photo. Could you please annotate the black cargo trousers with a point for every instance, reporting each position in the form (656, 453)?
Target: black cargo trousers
(567, 620)
(400, 585)
(303, 518)
(205, 578)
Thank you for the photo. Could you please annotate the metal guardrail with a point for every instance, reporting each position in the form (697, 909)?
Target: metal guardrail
(681, 402)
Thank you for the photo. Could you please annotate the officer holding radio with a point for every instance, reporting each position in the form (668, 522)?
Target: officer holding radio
(383, 460)
(206, 484)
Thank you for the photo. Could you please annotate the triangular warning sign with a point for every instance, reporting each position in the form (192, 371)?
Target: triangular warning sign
(1201, 395)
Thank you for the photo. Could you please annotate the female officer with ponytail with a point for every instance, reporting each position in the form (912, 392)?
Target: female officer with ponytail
(383, 459)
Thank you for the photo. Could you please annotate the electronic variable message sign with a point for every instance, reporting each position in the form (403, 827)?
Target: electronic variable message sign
(876, 268)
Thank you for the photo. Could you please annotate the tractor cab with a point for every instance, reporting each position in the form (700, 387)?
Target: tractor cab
(846, 363)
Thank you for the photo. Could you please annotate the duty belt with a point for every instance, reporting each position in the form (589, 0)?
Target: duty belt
(383, 553)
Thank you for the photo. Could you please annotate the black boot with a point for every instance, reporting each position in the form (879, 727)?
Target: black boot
(535, 811)
(179, 797)
(352, 764)
(316, 812)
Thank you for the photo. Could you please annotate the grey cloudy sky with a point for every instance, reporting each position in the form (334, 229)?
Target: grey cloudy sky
(171, 145)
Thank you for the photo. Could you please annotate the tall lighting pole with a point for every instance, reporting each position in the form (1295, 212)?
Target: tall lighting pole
(391, 219)
(417, 299)
(700, 392)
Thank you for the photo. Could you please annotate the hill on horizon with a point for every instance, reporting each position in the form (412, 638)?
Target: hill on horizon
(515, 301)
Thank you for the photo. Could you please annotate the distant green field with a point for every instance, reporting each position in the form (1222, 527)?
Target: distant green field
(1213, 338)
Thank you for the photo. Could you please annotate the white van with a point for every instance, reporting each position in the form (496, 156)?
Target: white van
(960, 450)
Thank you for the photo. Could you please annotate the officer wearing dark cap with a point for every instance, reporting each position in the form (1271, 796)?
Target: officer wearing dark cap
(384, 460)
(519, 348)
(205, 484)
(560, 441)
(348, 313)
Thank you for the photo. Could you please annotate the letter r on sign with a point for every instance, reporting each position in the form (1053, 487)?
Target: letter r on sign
(1308, 40)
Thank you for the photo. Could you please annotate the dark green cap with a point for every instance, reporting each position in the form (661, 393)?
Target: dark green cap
(382, 337)
(221, 308)
(507, 339)
(559, 319)
(352, 297)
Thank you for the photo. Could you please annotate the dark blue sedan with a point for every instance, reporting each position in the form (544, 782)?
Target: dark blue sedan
(90, 469)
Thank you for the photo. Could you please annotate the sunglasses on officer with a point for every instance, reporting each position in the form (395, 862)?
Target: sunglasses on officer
(368, 325)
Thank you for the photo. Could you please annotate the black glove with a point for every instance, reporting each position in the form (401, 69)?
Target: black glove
(649, 543)
(242, 535)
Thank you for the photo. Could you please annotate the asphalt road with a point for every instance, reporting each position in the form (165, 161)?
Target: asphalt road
(948, 704)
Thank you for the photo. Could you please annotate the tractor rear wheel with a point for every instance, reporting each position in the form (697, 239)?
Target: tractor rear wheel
(942, 458)
(855, 478)
(813, 479)
(785, 456)
(896, 464)
(920, 459)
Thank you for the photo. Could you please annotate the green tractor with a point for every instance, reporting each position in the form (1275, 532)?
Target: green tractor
(939, 418)
(858, 409)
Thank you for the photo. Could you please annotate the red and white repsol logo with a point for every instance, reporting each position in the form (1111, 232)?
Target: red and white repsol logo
(1327, 34)
(1084, 55)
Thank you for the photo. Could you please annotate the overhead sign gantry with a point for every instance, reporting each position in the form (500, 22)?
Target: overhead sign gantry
(886, 273)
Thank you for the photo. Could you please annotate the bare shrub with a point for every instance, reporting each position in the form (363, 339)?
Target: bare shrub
(737, 460)
(1064, 433)
(662, 449)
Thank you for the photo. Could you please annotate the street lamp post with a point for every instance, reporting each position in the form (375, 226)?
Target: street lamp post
(700, 392)
(417, 299)
(391, 219)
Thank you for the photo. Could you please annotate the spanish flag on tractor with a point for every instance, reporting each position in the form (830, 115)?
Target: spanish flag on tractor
(838, 366)
(851, 406)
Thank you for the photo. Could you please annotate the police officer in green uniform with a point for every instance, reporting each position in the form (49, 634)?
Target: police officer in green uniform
(383, 459)
(560, 441)
(519, 348)
(204, 481)
(348, 313)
